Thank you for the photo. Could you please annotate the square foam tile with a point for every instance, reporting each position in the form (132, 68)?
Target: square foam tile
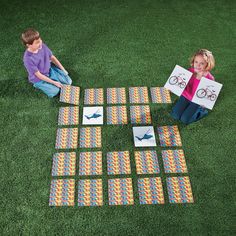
(90, 163)
(144, 136)
(174, 161)
(93, 96)
(140, 115)
(90, 192)
(93, 115)
(179, 190)
(91, 137)
(70, 94)
(67, 138)
(146, 162)
(64, 164)
(150, 191)
(117, 115)
(138, 95)
(169, 136)
(160, 95)
(116, 95)
(68, 116)
(118, 163)
(62, 192)
(120, 191)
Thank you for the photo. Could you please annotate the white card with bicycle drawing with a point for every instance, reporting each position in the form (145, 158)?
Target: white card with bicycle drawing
(207, 92)
(178, 80)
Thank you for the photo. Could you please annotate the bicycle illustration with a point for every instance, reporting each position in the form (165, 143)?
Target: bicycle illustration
(178, 80)
(207, 93)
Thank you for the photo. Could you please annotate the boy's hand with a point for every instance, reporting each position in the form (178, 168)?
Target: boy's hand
(58, 84)
(66, 72)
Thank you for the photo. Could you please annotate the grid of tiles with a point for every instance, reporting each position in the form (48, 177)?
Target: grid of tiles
(160, 95)
(174, 161)
(90, 192)
(179, 189)
(120, 191)
(68, 116)
(93, 96)
(169, 136)
(91, 137)
(70, 94)
(67, 138)
(64, 164)
(140, 115)
(138, 95)
(90, 163)
(116, 96)
(62, 192)
(150, 191)
(146, 162)
(117, 115)
(118, 163)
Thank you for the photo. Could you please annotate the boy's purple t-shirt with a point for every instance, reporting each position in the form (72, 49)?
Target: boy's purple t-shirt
(193, 84)
(40, 61)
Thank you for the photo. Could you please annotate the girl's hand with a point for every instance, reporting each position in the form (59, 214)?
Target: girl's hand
(199, 75)
(58, 84)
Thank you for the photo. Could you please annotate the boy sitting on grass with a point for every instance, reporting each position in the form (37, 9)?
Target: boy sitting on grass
(37, 60)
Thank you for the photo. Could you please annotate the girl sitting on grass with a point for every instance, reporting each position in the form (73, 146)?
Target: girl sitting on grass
(202, 63)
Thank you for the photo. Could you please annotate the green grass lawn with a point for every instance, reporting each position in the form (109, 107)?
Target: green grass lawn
(114, 44)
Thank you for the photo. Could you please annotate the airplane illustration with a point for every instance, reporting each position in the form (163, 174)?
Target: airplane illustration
(94, 115)
(145, 136)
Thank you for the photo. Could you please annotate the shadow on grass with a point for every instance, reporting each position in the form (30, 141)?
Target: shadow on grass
(161, 115)
(18, 88)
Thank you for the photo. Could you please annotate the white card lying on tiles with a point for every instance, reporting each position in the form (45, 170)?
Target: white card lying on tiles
(178, 80)
(144, 136)
(93, 115)
(207, 92)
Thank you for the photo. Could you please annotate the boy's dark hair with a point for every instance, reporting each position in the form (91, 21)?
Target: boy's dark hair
(29, 35)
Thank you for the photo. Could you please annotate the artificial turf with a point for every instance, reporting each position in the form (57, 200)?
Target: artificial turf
(113, 44)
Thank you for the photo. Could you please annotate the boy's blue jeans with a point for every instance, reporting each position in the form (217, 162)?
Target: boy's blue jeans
(187, 111)
(55, 74)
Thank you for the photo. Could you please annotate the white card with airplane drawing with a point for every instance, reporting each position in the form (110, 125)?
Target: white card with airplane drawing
(178, 80)
(144, 136)
(207, 92)
(93, 115)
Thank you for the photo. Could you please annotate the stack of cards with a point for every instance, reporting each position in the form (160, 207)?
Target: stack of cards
(62, 192)
(120, 191)
(118, 163)
(90, 192)
(150, 191)
(90, 163)
(116, 96)
(138, 95)
(70, 94)
(67, 138)
(93, 96)
(64, 164)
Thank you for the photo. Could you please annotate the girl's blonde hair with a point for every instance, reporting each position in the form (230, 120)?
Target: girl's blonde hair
(208, 57)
